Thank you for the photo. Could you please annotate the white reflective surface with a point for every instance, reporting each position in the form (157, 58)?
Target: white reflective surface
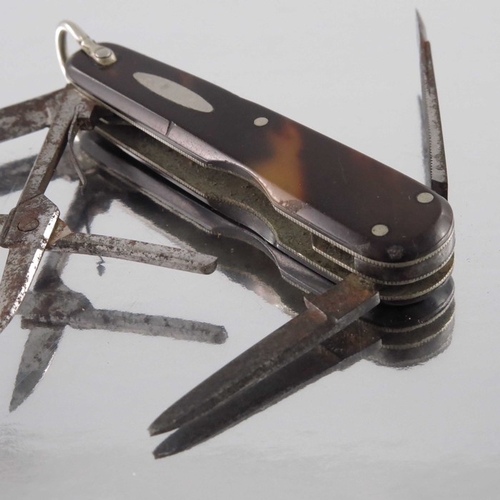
(350, 71)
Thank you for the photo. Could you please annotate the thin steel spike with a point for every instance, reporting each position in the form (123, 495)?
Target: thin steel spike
(432, 131)
(327, 315)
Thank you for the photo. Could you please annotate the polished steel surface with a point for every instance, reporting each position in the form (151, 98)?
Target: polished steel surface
(430, 431)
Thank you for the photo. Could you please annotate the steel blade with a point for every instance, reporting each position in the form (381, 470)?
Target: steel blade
(28, 116)
(39, 349)
(136, 251)
(71, 104)
(356, 341)
(14, 174)
(29, 228)
(432, 131)
(327, 314)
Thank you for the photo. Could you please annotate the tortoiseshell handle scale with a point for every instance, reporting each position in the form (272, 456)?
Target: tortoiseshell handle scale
(372, 211)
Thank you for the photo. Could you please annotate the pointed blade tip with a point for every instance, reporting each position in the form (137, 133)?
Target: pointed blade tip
(153, 430)
(158, 427)
(172, 445)
(157, 454)
(14, 405)
(172, 418)
(4, 322)
(421, 27)
(210, 266)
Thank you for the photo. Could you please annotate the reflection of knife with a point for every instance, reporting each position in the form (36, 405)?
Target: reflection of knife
(52, 306)
(334, 210)
(73, 309)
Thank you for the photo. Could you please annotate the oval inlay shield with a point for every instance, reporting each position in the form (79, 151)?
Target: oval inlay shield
(174, 92)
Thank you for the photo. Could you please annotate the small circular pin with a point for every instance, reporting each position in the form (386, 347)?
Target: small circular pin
(28, 225)
(380, 230)
(103, 53)
(261, 121)
(425, 197)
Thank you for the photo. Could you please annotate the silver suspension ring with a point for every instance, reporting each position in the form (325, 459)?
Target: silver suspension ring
(103, 56)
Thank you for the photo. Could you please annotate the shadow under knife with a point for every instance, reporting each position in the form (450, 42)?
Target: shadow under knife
(52, 306)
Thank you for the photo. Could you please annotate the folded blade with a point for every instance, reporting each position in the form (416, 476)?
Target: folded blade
(432, 131)
(31, 224)
(327, 314)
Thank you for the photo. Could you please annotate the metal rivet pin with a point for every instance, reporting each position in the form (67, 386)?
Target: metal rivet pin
(103, 53)
(380, 230)
(28, 225)
(425, 197)
(261, 121)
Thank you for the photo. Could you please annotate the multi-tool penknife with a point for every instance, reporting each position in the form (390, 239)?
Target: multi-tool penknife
(371, 248)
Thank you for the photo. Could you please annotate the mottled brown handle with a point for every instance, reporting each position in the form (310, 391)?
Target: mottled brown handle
(358, 203)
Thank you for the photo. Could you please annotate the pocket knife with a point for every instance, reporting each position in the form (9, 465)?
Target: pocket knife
(362, 240)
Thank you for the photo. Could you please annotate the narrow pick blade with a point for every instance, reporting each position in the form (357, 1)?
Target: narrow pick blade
(328, 314)
(39, 350)
(432, 131)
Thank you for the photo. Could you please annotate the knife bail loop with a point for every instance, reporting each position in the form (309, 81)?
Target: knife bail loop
(103, 56)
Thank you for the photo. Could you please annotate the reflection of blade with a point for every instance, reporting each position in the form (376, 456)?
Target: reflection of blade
(432, 132)
(60, 307)
(14, 174)
(38, 351)
(327, 315)
(63, 307)
(146, 324)
(48, 311)
(356, 341)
